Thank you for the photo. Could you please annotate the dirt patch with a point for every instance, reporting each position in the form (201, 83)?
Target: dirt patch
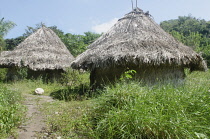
(35, 122)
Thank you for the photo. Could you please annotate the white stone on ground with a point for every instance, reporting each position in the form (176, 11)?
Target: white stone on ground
(39, 91)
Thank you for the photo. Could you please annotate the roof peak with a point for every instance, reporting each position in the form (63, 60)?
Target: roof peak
(137, 9)
(135, 12)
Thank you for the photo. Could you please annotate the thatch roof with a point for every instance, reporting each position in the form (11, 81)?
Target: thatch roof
(136, 39)
(41, 50)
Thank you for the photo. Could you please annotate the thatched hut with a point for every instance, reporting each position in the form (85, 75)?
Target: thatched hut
(136, 42)
(42, 53)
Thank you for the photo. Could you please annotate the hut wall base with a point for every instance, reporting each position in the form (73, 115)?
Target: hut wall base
(147, 75)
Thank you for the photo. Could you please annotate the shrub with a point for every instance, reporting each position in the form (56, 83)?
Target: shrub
(3, 73)
(74, 77)
(75, 86)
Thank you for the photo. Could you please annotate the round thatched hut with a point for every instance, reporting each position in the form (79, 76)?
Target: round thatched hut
(136, 42)
(42, 53)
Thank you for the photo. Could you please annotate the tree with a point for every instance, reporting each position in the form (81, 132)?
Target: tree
(12, 43)
(31, 30)
(90, 37)
(187, 24)
(5, 26)
(76, 44)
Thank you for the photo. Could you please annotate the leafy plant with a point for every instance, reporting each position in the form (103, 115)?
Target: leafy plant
(74, 77)
(22, 73)
(127, 75)
(3, 73)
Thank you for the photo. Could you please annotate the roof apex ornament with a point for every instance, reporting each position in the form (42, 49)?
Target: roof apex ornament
(132, 4)
(136, 4)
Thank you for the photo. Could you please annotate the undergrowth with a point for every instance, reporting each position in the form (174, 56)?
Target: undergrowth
(130, 110)
(127, 110)
(11, 111)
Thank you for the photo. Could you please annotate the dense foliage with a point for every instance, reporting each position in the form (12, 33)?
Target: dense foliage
(76, 43)
(132, 111)
(192, 32)
(12, 43)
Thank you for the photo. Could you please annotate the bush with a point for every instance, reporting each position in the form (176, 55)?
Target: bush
(75, 86)
(74, 77)
(3, 74)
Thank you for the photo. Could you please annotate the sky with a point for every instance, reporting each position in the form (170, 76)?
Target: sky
(79, 16)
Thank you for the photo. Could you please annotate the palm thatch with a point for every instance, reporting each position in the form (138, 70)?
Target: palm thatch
(137, 42)
(137, 39)
(43, 50)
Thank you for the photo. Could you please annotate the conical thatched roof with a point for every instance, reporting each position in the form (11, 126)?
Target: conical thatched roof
(41, 50)
(138, 40)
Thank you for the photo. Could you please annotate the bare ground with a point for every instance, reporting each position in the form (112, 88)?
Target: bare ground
(34, 126)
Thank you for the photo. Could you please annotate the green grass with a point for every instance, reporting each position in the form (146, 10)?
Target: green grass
(62, 117)
(29, 86)
(131, 111)
(127, 110)
(11, 116)
(11, 111)
(136, 112)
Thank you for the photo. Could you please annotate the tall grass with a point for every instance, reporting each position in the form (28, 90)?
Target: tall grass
(129, 111)
(11, 111)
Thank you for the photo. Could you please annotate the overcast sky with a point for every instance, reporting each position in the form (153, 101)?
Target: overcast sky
(79, 16)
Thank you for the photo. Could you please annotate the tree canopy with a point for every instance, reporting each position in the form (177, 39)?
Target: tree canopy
(5, 26)
(186, 25)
